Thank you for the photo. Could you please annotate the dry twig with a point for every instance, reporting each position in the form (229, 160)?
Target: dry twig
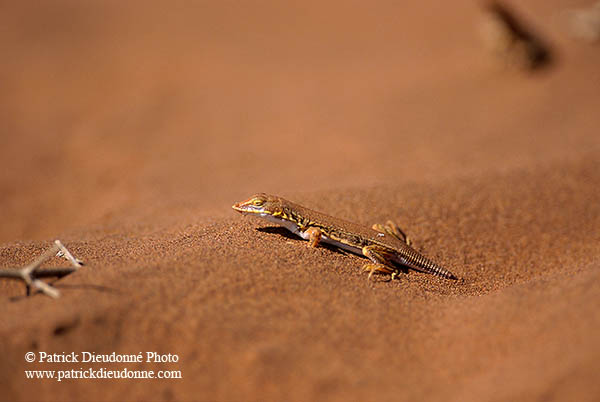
(511, 39)
(30, 273)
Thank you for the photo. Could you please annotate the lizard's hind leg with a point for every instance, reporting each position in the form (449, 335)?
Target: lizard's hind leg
(381, 260)
(393, 230)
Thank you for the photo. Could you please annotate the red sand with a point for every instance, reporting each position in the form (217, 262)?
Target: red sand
(129, 131)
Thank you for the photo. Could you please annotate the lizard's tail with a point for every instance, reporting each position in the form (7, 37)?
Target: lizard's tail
(435, 269)
(417, 261)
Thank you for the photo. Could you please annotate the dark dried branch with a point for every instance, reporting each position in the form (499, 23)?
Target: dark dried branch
(513, 40)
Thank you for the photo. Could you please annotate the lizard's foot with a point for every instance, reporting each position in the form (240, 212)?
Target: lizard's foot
(393, 230)
(378, 269)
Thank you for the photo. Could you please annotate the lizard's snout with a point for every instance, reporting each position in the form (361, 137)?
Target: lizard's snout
(241, 206)
(255, 204)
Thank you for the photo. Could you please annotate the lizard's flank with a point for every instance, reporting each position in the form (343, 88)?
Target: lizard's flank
(386, 246)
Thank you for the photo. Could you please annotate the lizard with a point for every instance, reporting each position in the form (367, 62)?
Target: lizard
(386, 246)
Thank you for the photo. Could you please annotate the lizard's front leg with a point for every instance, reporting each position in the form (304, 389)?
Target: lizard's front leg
(314, 236)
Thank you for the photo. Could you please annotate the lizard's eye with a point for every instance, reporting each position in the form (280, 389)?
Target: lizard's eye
(258, 202)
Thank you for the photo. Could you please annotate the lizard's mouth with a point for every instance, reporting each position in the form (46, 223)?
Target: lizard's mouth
(239, 207)
(247, 208)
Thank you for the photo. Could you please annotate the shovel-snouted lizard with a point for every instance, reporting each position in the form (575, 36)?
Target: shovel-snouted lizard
(386, 246)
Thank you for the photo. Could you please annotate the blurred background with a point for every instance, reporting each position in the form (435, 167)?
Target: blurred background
(121, 112)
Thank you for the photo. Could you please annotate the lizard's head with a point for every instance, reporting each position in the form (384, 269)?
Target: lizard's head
(261, 204)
